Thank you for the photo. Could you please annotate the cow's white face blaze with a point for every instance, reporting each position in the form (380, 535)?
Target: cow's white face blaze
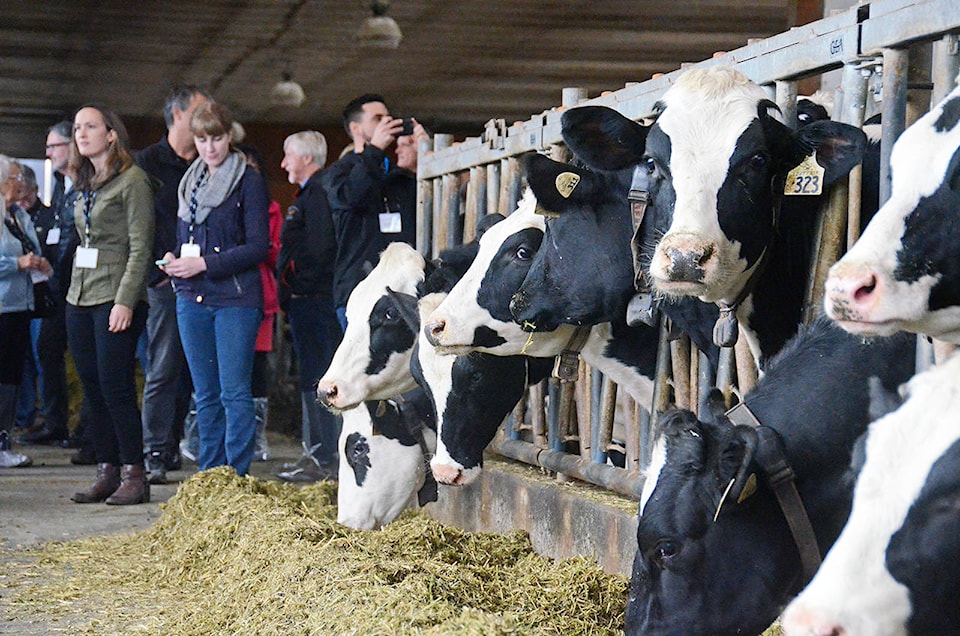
(705, 116)
(378, 477)
(900, 274)
(373, 359)
(464, 322)
(853, 593)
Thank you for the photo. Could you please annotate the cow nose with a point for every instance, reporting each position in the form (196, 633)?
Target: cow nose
(852, 294)
(445, 473)
(327, 393)
(802, 621)
(434, 330)
(687, 263)
(518, 304)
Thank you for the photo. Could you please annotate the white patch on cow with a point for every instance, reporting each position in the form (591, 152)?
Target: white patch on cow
(639, 386)
(395, 474)
(853, 592)
(706, 112)
(400, 268)
(658, 459)
(918, 165)
(462, 314)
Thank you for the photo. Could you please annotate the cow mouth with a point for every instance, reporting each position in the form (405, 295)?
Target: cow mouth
(869, 327)
(453, 349)
(679, 287)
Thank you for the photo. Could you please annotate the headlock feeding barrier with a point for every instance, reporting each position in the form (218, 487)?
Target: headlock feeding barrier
(887, 53)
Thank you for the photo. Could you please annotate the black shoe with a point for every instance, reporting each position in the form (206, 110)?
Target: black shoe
(156, 468)
(45, 436)
(172, 460)
(84, 457)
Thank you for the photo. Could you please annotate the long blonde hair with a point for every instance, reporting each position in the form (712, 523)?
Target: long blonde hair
(118, 153)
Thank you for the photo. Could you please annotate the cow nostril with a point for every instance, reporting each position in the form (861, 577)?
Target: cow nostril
(331, 392)
(865, 290)
(705, 255)
(433, 331)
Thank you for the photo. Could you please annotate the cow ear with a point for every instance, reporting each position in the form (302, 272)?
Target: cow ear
(839, 147)
(734, 458)
(555, 184)
(603, 138)
(406, 306)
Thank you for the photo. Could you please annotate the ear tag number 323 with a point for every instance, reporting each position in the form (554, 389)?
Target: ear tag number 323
(805, 179)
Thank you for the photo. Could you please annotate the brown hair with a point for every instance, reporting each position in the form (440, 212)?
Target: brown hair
(118, 153)
(211, 119)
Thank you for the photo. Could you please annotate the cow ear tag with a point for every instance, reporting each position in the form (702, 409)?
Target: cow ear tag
(566, 182)
(806, 179)
(749, 488)
(547, 213)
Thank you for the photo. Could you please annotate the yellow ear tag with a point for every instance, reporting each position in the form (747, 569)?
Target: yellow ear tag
(749, 488)
(806, 179)
(546, 213)
(566, 182)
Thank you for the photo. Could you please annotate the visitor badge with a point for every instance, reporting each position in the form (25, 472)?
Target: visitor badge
(390, 222)
(86, 257)
(189, 249)
(53, 236)
(36, 276)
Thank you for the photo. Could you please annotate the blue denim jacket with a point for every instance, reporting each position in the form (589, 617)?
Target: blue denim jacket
(16, 287)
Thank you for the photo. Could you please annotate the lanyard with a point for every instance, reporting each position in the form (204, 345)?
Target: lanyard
(193, 200)
(88, 198)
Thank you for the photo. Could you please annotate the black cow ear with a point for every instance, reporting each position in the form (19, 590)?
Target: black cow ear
(735, 477)
(839, 147)
(406, 306)
(556, 184)
(603, 138)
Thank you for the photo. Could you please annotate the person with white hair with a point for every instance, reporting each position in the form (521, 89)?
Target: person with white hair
(20, 266)
(305, 271)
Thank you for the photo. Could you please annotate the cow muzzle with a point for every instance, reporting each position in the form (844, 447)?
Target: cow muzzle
(433, 331)
(683, 258)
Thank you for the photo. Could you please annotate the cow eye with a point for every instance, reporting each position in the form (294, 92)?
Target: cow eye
(524, 253)
(388, 315)
(666, 549)
(758, 162)
(650, 165)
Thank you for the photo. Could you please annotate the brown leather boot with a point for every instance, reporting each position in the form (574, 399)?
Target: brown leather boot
(108, 480)
(134, 487)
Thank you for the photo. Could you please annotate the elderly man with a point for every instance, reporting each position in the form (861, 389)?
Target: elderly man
(305, 268)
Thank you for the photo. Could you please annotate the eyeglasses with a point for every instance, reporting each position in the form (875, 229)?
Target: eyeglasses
(62, 143)
(15, 177)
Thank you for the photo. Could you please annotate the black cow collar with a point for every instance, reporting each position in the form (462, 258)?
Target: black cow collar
(772, 459)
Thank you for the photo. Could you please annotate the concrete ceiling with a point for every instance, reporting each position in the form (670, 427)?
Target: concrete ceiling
(460, 63)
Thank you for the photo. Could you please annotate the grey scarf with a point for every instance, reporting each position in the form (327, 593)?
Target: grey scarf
(213, 190)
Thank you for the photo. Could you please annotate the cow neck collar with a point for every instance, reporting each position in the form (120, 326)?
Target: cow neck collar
(776, 467)
(567, 365)
(428, 491)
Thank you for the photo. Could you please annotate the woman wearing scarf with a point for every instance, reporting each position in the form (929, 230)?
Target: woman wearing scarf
(107, 301)
(223, 233)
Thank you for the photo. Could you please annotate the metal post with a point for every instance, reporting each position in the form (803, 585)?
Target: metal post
(946, 67)
(787, 101)
(895, 62)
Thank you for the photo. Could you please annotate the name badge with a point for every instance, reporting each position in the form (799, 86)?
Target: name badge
(53, 236)
(86, 257)
(390, 223)
(37, 276)
(189, 249)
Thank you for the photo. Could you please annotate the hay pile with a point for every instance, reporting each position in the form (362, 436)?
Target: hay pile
(234, 555)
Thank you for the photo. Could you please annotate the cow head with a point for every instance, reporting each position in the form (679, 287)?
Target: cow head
(904, 273)
(373, 359)
(715, 162)
(892, 571)
(382, 463)
(707, 562)
(582, 273)
(476, 314)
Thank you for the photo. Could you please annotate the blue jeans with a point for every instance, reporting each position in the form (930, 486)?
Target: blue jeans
(316, 335)
(218, 343)
(32, 384)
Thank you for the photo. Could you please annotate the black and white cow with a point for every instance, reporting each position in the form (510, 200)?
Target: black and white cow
(473, 393)
(384, 449)
(904, 272)
(715, 163)
(373, 359)
(475, 316)
(895, 569)
(715, 554)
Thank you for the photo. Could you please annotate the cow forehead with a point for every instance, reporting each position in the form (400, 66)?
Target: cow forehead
(401, 268)
(524, 217)
(922, 154)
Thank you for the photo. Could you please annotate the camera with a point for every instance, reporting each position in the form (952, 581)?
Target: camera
(407, 128)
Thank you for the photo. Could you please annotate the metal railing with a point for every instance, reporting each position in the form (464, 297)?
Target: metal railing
(898, 45)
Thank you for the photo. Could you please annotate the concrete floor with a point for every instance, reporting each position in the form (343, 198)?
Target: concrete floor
(35, 504)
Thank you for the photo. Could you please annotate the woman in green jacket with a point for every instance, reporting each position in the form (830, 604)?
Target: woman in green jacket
(106, 302)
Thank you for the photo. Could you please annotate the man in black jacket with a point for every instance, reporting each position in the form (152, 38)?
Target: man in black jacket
(305, 270)
(373, 201)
